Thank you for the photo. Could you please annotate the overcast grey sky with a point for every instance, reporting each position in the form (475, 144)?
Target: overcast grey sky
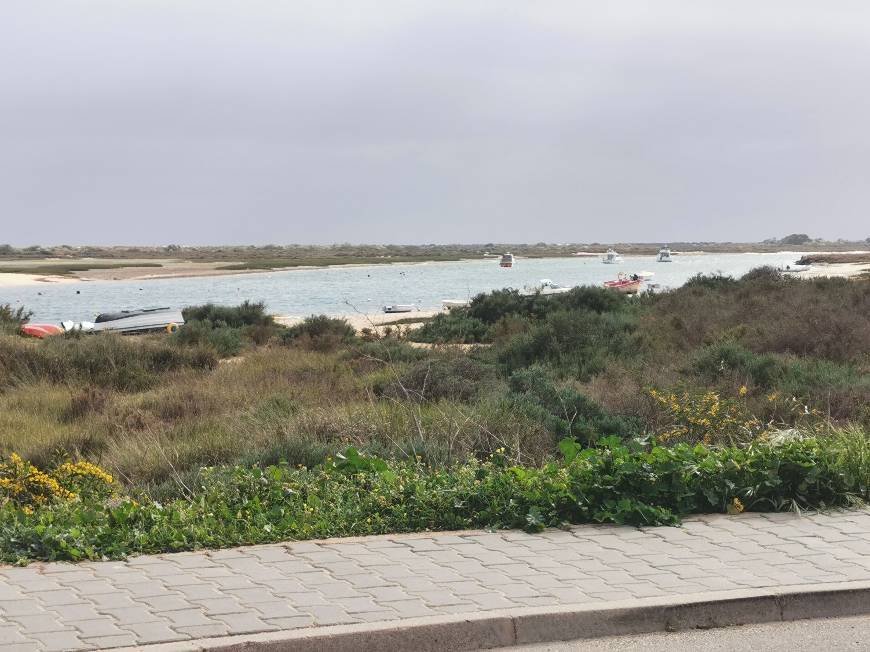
(255, 121)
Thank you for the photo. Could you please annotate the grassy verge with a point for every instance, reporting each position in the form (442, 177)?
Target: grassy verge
(80, 516)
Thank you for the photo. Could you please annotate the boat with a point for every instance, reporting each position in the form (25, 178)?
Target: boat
(142, 320)
(611, 257)
(455, 303)
(507, 260)
(546, 286)
(645, 276)
(625, 284)
(399, 307)
(794, 269)
(41, 330)
(664, 255)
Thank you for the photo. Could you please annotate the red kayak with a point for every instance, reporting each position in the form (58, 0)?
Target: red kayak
(41, 330)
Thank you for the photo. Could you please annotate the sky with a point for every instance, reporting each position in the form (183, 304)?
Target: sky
(255, 121)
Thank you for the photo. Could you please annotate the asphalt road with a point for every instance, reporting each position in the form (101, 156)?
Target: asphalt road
(838, 634)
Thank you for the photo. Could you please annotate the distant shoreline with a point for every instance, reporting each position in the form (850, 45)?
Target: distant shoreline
(38, 271)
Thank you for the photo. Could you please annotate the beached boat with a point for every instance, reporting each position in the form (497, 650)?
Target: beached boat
(142, 320)
(455, 303)
(664, 255)
(507, 260)
(41, 330)
(611, 257)
(399, 307)
(625, 284)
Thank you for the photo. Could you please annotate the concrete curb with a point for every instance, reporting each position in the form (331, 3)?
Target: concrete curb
(546, 624)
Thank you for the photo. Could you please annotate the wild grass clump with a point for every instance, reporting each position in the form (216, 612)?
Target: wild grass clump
(453, 327)
(319, 333)
(103, 360)
(11, 319)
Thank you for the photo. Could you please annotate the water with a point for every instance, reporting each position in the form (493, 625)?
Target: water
(366, 288)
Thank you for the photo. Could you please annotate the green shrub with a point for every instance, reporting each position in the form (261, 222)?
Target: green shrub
(563, 410)
(455, 326)
(319, 333)
(575, 342)
(225, 340)
(248, 313)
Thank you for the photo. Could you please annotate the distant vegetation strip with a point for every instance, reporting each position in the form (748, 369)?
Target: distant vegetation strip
(67, 269)
(282, 263)
(810, 259)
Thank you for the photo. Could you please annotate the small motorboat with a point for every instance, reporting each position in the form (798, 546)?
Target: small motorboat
(645, 276)
(794, 269)
(507, 260)
(664, 255)
(137, 321)
(546, 286)
(455, 303)
(625, 284)
(611, 257)
(399, 307)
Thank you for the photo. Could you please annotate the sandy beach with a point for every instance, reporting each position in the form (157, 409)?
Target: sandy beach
(374, 321)
(13, 280)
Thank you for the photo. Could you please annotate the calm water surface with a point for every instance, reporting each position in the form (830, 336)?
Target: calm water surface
(365, 288)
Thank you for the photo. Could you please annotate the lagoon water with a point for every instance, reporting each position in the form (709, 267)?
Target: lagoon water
(345, 290)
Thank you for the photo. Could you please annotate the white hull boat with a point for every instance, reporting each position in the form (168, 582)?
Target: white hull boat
(399, 307)
(664, 255)
(611, 258)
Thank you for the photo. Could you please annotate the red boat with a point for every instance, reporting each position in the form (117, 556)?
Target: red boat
(625, 284)
(41, 330)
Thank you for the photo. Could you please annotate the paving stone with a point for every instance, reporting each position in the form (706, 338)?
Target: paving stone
(154, 632)
(59, 641)
(244, 623)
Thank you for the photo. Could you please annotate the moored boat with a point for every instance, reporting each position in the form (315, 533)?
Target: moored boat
(611, 257)
(664, 255)
(625, 284)
(507, 260)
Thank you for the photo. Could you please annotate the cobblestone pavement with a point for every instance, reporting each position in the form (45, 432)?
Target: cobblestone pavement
(173, 597)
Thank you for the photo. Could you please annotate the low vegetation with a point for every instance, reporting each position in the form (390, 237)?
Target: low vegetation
(726, 394)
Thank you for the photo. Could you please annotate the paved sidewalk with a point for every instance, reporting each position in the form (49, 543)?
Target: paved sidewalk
(179, 597)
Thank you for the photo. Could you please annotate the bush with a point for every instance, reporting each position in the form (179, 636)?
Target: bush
(248, 313)
(565, 411)
(575, 343)
(459, 378)
(455, 326)
(225, 340)
(319, 333)
(490, 308)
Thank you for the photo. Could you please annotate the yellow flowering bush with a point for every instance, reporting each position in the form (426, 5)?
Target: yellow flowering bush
(25, 485)
(704, 417)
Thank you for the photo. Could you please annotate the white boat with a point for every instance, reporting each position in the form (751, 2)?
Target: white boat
(611, 257)
(455, 303)
(507, 260)
(794, 269)
(645, 276)
(664, 255)
(400, 307)
(546, 286)
(136, 321)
